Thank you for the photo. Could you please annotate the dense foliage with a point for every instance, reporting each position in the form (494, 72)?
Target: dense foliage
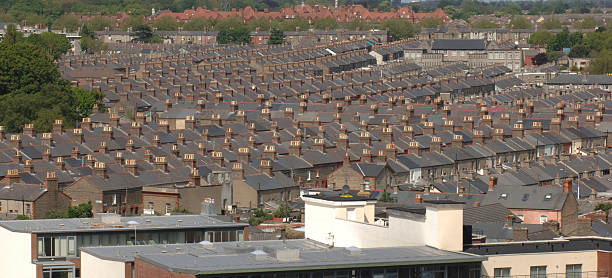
(79, 211)
(31, 89)
(277, 37)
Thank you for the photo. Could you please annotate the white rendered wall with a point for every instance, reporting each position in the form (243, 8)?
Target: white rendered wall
(16, 257)
(94, 267)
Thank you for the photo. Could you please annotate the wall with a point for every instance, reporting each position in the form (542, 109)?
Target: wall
(6, 206)
(345, 175)
(244, 195)
(147, 270)
(159, 202)
(51, 200)
(94, 267)
(83, 191)
(531, 216)
(555, 262)
(18, 261)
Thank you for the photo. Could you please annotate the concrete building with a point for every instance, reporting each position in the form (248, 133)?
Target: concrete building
(50, 248)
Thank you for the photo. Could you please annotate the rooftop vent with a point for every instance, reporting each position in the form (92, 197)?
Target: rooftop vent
(353, 251)
(259, 255)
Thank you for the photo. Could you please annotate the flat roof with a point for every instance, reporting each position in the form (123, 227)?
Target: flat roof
(84, 225)
(562, 244)
(239, 257)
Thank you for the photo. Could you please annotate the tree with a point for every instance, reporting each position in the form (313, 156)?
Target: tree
(519, 22)
(25, 67)
(484, 24)
(55, 44)
(579, 51)
(539, 59)
(85, 101)
(80, 211)
(357, 24)
(166, 23)
(284, 210)
(100, 23)
(326, 23)
(132, 22)
(276, 37)
(144, 33)
(69, 22)
(11, 36)
(238, 35)
(294, 25)
(587, 23)
(513, 9)
(384, 6)
(399, 28)
(432, 22)
(551, 23)
(601, 64)
(259, 216)
(604, 206)
(23, 217)
(387, 198)
(198, 24)
(541, 38)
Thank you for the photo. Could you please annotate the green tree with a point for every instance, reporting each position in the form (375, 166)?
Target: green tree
(198, 24)
(80, 211)
(601, 64)
(587, 23)
(90, 45)
(513, 9)
(484, 24)
(144, 33)
(384, 6)
(70, 22)
(326, 23)
(276, 37)
(432, 22)
(100, 23)
(25, 67)
(541, 38)
(551, 23)
(604, 206)
(12, 36)
(23, 217)
(579, 51)
(387, 198)
(294, 25)
(229, 23)
(166, 23)
(132, 22)
(519, 22)
(259, 216)
(55, 44)
(85, 100)
(357, 24)
(399, 28)
(238, 35)
(284, 210)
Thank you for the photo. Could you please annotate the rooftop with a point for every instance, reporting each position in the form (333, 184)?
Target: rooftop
(72, 225)
(261, 256)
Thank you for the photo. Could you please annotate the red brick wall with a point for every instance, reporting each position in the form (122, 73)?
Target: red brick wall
(604, 261)
(533, 216)
(147, 270)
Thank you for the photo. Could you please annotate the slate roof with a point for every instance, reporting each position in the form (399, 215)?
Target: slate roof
(458, 44)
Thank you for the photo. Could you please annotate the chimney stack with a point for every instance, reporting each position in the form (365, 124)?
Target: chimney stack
(518, 131)
(161, 163)
(492, 183)
(217, 158)
(567, 186)
(458, 141)
(51, 183)
(414, 148)
(131, 167)
(100, 169)
(28, 130)
(77, 136)
(194, 177)
(237, 171)
(436, 144)
(428, 128)
(265, 166)
(58, 127)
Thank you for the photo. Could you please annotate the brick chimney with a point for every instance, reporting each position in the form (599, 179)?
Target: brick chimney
(505, 119)
(518, 131)
(135, 130)
(567, 186)
(555, 125)
(409, 111)
(130, 166)
(428, 128)
(200, 106)
(458, 141)
(276, 137)
(266, 114)
(269, 152)
(289, 113)
(572, 122)
(140, 118)
(61, 165)
(436, 144)
(99, 169)
(414, 148)
(15, 141)
(265, 166)
(28, 167)
(537, 128)
(103, 148)
(342, 141)
(194, 177)
(319, 145)
(217, 158)
(114, 120)
(58, 127)
(107, 133)
(478, 137)
(77, 136)
(449, 126)
(408, 131)
(498, 134)
(161, 163)
(244, 155)
(373, 110)
(13, 176)
(163, 126)
(492, 183)
(590, 121)
(91, 162)
(237, 171)
(560, 114)
(28, 130)
(51, 183)
(119, 158)
(295, 148)
(391, 151)
(446, 111)
(418, 199)
(366, 155)
(86, 123)
(46, 156)
(18, 157)
(387, 135)
(346, 161)
(364, 138)
(486, 120)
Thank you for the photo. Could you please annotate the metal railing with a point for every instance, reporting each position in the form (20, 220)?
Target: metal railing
(585, 274)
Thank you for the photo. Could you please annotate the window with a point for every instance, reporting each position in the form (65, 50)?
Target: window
(114, 199)
(573, 271)
(503, 272)
(28, 209)
(150, 205)
(62, 246)
(168, 208)
(521, 217)
(351, 214)
(537, 272)
(543, 219)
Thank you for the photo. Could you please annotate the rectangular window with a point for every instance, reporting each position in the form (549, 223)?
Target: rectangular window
(537, 272)
(573, 271)
(543, 219)
(168, 208)
(503, 272)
